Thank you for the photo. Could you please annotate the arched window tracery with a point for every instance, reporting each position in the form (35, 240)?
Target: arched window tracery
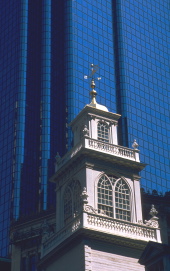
(122, 200)
(105, 199)
(71, 200)
(113, 198)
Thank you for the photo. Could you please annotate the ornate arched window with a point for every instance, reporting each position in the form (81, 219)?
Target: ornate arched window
(67, 205)
(72, 200)
(105, 198)
(113, 198)
(103, 132)
(122, 201)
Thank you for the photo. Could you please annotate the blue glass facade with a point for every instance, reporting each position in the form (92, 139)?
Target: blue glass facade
(29, 135)
(88, 39)
(46, 49)
(143, 39)
(9, 62)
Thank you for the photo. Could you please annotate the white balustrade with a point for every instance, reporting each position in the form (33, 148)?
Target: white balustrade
(122, 228)
(104, 224)
(113, 149)
(87, 143)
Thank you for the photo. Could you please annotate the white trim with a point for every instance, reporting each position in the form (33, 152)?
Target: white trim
(130, 192)
(113, 193)
(95, 189)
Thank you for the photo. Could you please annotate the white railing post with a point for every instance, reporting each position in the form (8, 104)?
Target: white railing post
(158, 235)
(136, 155)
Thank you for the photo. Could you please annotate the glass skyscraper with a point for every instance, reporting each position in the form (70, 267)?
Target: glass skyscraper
(46, 49)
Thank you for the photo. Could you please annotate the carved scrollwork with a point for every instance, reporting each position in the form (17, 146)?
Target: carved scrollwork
(90, 209)
(152, 223)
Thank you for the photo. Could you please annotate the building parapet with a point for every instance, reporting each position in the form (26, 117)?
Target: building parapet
(102, 147)
(101, 223)
(116, 150)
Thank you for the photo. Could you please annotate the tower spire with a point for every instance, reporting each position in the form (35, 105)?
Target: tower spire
(93, 92)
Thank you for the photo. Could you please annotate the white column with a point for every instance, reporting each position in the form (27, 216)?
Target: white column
(114, 139)
(137, 201)
(93, 128)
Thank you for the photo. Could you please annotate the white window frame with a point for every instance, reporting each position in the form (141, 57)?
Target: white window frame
(116, 180)
(104, 138)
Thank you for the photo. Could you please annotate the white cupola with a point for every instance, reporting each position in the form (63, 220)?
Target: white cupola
(95, 122)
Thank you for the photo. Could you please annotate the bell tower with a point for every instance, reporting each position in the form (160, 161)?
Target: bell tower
(99, 224)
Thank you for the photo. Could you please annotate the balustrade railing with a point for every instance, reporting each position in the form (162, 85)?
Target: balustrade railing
(122, 227)
(101, 224)
(113, 149)
(100, 146)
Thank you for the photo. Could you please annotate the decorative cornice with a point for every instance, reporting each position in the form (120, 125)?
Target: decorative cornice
(92, 221)
(115, 154)
(108, 120)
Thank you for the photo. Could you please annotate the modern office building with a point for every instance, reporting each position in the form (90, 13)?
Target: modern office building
(46, 49)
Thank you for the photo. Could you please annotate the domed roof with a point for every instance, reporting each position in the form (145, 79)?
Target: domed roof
(98, 106)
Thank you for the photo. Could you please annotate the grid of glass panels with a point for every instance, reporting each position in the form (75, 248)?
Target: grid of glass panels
(144, 76)
(110, 191)
(122, 200)
(9, 63)
(105, 197)
(129, 40)
(89, 40)
(27, 147)
(103, 132)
